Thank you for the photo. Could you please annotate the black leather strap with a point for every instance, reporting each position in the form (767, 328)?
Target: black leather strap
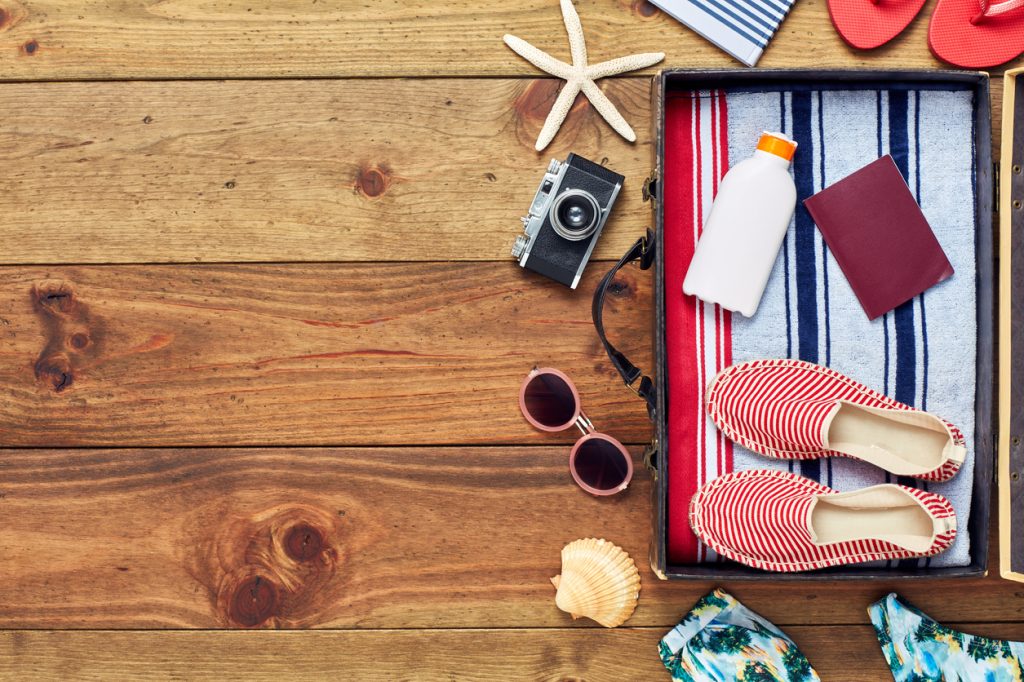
(642, 250)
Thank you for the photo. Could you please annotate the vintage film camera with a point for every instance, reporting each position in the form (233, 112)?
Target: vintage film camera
(566, 218)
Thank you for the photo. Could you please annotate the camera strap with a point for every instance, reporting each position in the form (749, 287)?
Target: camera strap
(643, 251)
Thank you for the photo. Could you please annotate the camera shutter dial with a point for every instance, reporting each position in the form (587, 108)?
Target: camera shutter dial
(575, 214)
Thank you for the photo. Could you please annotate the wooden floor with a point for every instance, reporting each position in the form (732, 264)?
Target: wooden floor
(262, 342)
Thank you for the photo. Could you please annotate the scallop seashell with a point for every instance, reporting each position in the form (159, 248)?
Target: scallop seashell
(598, 581)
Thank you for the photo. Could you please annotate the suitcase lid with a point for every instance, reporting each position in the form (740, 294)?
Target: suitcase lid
(1011, 331)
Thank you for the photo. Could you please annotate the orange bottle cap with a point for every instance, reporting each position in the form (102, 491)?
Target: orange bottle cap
(777, 144)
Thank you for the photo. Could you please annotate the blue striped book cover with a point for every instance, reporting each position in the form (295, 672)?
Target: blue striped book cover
(740, 27)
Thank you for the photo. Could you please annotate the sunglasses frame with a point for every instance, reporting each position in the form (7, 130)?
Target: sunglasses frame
(583, 423)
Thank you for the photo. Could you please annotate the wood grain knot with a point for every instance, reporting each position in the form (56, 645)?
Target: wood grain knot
(620, 287)
(79, 340)
(276, 568)
(373, 181)
(30, 47)
(11, 14)
(642, 8)
(55, 371)
(534, 103)
(55, 298)
(532, 106)
(70, 331)
(254, 601)
(303, 542)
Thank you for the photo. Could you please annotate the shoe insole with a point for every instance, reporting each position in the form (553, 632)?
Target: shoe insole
(903, 449)
(908, 527)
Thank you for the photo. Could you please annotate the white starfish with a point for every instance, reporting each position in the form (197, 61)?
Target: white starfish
(580, 76)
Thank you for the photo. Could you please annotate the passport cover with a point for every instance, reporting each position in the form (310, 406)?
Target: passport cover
(879, 236)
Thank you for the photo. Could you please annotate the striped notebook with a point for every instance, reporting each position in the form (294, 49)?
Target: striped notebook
(740, 27)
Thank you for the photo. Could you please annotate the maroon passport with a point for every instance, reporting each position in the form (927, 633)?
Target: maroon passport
(879, 236)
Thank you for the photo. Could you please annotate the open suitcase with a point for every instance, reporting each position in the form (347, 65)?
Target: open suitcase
(937, 127)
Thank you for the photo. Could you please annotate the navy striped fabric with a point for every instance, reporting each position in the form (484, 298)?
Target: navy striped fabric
(809, 311)
(742, 28)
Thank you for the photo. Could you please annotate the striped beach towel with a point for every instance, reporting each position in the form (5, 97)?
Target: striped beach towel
(922, 353)
(740, 27)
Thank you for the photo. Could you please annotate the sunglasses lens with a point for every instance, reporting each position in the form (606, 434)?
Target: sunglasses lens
(550, 400)
(601, 465)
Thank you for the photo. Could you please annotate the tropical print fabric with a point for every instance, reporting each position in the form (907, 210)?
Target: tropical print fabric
(918, 649)
(720, 640)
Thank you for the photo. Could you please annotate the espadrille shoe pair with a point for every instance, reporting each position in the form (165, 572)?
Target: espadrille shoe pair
(779, 521)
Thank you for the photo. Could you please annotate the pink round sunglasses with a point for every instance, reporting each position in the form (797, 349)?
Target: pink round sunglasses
(598, 463)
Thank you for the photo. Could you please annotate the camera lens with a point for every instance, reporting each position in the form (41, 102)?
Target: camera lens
(574, 214)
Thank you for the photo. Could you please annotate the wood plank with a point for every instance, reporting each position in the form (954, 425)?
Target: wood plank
(278, 171)
(359, 538)
(836, 652)
(46, 39)
(445, 655)
(358, 354)
(294, 170)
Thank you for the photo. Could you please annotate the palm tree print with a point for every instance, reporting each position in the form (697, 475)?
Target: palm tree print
(920, 650)
(717, 600)
(928, 630)
(758, 672)
(728, 641)
(797, 666)
(882, 633)
(721, 639)
(981, 649)
(697, 644)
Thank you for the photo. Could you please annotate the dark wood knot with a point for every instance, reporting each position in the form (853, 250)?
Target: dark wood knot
(254, 600)
(278, 567)
(79, 340)
(55, 371)
(644, 9)
(373, 181)
(532, 106)
(73, 335)
(55, 298)
(620, 288)
(535, 102)
(303, 542)
(10, 16)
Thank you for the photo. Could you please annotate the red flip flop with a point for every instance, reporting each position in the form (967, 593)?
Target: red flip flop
(867, 24)
(977, 34)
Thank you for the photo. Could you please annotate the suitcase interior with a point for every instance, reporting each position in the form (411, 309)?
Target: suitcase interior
(675, 80)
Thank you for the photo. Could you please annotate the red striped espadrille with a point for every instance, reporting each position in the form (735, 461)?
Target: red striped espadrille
(791, 409)
(779, 521)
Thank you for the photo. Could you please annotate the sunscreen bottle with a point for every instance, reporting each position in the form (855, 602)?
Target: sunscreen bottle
(748, 221)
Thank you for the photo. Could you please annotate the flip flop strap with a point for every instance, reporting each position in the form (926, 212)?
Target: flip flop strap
(995, 9)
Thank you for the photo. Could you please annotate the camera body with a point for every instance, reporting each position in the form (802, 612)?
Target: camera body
(566, 218)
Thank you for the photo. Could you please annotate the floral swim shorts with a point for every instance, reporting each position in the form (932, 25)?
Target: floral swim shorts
(918, 649)
(720, 640)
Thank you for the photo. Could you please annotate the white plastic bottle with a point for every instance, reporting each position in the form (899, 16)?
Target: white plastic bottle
(748, 220)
